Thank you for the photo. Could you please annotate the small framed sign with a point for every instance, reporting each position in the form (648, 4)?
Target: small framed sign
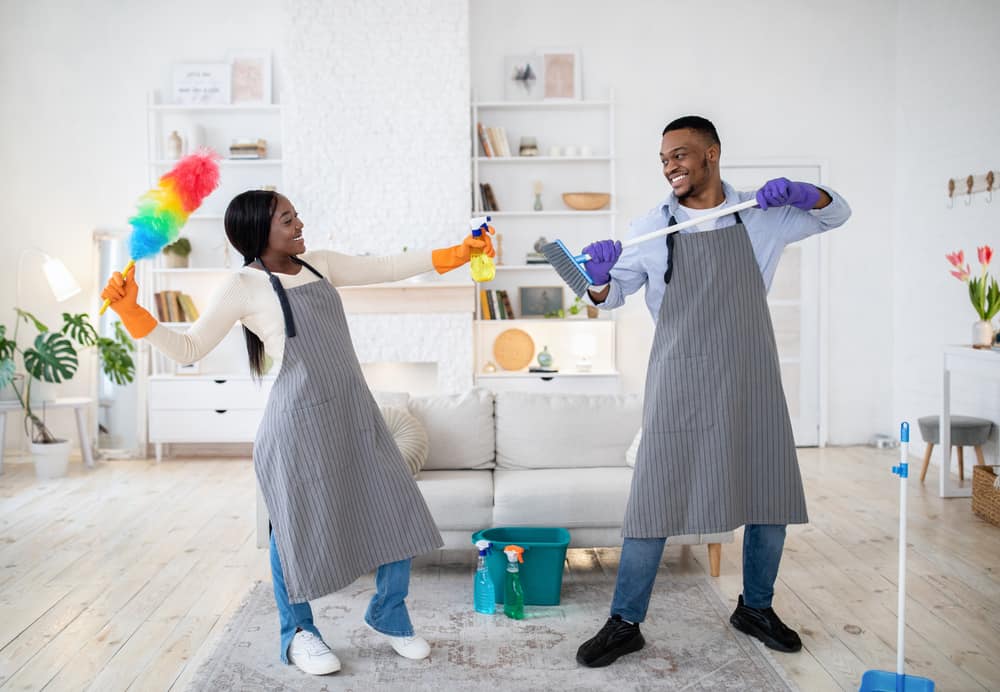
(201, 83)
(251, 77)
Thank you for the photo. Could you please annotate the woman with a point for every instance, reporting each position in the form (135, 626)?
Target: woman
(340, 497)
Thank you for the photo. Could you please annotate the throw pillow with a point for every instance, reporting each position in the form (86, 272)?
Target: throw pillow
(633, 450)
(410, 436)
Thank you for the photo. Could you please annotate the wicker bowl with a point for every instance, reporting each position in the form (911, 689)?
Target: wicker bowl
(586, 201)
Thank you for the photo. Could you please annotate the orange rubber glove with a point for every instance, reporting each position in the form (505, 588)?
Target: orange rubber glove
(123, 293)
(447, 258)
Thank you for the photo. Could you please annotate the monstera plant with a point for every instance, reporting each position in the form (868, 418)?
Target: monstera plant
(52, 357)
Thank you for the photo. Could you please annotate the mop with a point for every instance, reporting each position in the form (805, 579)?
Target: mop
(883, 680)
(571, 267)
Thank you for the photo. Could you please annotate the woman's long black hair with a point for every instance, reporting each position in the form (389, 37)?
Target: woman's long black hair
(248, 224)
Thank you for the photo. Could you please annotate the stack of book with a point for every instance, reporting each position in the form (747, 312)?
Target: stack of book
(174, 306)
(495, 305)
(248, 149)
(493, 141)
(489, 202)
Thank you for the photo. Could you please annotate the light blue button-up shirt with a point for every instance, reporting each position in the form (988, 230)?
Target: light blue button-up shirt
(769, 231)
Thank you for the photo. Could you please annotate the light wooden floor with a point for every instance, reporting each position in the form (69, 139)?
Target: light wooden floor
(121, 577)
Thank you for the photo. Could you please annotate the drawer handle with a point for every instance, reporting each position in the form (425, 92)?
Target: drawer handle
(221, 410)
(219, 381)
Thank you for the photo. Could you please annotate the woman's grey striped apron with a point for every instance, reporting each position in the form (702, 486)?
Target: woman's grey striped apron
(341, 499)
(717, 449)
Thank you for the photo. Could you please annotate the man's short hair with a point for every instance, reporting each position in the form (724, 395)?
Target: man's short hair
(696, 123)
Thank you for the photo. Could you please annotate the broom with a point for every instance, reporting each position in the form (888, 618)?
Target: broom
(571, 267)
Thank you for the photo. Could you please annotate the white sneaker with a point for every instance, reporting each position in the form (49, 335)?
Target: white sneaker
(414, 648)
(312, 655)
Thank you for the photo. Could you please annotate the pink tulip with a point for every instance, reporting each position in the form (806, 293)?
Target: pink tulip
(957, 259)
(962, 274)
(985, 255)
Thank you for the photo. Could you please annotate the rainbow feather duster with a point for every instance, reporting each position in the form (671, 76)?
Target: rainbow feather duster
(163, 211)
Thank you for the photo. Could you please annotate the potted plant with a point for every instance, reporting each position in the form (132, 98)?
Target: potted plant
(177, 253)
(53, 358)
(983, 292)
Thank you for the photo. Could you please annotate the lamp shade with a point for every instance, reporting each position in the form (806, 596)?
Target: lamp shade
(62, 283)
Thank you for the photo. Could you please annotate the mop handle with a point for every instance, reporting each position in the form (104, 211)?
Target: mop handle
(903, 472)
(725, 211)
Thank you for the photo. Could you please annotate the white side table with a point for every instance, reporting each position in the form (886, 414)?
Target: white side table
(983, 362)
(79, 406)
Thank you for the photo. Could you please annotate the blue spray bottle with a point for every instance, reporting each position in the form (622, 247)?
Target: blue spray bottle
(484, 595)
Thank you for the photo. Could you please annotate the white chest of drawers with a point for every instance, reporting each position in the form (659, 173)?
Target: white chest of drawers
(209, 408)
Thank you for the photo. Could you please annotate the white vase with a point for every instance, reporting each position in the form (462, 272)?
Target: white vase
(982, 333)
(51, 458)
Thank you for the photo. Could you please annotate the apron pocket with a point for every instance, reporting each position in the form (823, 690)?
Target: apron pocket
(680, 395)
(324, 444)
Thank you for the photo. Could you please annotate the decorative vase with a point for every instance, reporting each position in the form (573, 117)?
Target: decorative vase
(982, 334)
(545, 358)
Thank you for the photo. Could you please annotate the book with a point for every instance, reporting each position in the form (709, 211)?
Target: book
(506, 304)
(188, 308)
(161, 306)
(484, 304)
(490, 199)
(501, 310)
(484, 141)
(173, 307)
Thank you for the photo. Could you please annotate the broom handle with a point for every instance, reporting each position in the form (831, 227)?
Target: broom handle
(904, 453)
(104, 307)
(726, 211)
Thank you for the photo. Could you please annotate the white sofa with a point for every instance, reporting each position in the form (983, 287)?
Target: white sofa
(531, 459)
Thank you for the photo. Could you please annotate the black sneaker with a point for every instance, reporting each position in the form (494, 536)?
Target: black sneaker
(766, 626)
(615, 639)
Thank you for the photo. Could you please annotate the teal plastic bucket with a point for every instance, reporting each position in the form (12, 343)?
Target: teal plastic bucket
(544, 557)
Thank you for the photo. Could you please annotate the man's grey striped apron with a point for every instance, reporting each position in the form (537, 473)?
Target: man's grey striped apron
(341, 499)
(717, 449)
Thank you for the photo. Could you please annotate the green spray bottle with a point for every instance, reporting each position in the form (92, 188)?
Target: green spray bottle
(513, 593)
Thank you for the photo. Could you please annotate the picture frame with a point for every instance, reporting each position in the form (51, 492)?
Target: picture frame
(562, 80)
(251, 77)
(537, 301)
(523, 78)
(201, 83)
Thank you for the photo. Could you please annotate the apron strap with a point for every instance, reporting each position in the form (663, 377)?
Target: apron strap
(670, 246)
(286, 309)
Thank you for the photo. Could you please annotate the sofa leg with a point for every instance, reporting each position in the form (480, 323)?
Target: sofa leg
(714, 558)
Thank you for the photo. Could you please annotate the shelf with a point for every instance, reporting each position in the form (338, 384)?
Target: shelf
(524, 267)
(227, 107)
(523, 374)
(568, 212)
(191, 270)
(541, 105)
(236, 163)
(541, 159)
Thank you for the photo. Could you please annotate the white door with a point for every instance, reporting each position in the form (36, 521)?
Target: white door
(795, 302)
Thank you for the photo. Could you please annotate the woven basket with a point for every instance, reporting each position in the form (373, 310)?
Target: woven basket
(985, 498)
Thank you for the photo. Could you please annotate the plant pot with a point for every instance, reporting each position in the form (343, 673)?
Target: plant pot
(592, 312)
(173, 261)
(982, 334)
(51, 459)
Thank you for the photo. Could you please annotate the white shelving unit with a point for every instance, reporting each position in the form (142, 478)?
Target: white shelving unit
(222, 390)
(580, 125)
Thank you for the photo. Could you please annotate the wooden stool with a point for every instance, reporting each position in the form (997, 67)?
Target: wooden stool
(966, 431)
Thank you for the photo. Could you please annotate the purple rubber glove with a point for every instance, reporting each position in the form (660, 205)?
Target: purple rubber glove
(782, 191)
(603, 255)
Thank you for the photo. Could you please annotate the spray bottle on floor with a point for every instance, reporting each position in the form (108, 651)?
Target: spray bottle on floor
(481, 265)
(513, 593)
(484, 595)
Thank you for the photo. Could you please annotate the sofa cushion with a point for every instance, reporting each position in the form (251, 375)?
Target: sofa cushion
(385, 398)
(633, 450)
(409, 434)
(537, 431)
(459, 429)
(458, 500)
(570, 498)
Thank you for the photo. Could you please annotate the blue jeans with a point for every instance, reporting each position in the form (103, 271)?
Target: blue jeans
(386, 612)
(762, 546)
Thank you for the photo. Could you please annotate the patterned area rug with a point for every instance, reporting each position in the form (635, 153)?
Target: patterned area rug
(689, 642)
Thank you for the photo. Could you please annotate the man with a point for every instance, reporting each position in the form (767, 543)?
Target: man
(717, 450)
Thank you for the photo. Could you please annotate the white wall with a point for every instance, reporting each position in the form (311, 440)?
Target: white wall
(947, 126)
(73, 79)
(786, 79)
